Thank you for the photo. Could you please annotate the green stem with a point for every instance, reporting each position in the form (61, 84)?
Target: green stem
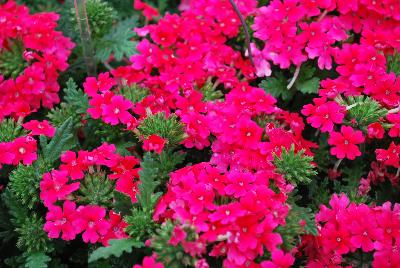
(84, 29)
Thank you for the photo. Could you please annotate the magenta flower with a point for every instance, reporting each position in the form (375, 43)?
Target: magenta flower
(59, 221)
(117, 111)
(40, 128)
(92, 223)
(280, 259)
(345, 143)
(24, 149)
(324, 114)
(54, 187)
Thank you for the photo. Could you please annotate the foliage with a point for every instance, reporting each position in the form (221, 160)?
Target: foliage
(116, 248)
(169, 128)
(117, 42)
(296, 168)
(37, 260)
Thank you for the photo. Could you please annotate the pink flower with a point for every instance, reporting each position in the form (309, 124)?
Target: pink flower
(40, 128)
(148, 11)
(395, 129)
(391, 156)
(154, 143)
(91, 221)
(54, 187)
(103, 84)
(149, 262)
(345, 143)
(24, 149)
(324, 114)
(60, 221)
(73, 165)
(280, 259)
(117, 111)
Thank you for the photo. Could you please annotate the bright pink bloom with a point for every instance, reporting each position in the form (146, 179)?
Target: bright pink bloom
(345, 143)
(149, 262)
(324, 114)
(154, 143)
(60, 221)
(54, 187)
(117, 111)
(24, 149)
(73, 165)
(91, 221)
(103, 83)
(395, 129)
(280, 259)
(148, 11)
(391, 156)
(40, 128)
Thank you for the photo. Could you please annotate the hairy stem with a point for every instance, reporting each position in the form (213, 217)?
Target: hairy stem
(245, 29)
(84, 29)
(295, 75)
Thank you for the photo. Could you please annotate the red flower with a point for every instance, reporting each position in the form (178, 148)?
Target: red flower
(40, 128)
(116, 230)
(154, 143)
(375, 130)
(117, 111)
(24, 149)
(345, 143)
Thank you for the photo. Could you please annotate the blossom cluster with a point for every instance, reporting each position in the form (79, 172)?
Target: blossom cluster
(65, 218)
(347, 227)
(40, 53)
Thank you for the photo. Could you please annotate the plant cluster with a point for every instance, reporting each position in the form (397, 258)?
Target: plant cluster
(229, 133)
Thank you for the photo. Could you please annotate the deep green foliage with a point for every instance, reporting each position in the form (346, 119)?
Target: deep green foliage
(210, 93)
(37, 260)
(63, 140)
(140, 224)
(12, 62)
(171, 256)
(363, 110)
(31, 237)
(24, 182)
(134, 92)
(148, 183)
(96, 189)
(169, 128)
(116, 248)
(277, 87)
(295, 167)
(393, 63)
(10, 129)
(307, 82)
(101, 16)
(299, 221)
(74, 105)
(117, 41)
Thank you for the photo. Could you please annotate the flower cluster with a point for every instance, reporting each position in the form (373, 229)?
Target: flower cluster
(347, 227)
(236, 212)
(36, 54)
(62, 185)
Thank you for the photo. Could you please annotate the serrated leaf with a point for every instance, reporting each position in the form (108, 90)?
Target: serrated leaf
(277, 87)
(76, 97)
(63, 140)
(116, 248)
(148, 182)
(307, 83)
(309, 86)
(37, 260)
(118, 41)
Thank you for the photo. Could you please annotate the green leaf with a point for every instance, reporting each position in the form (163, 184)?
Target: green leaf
(277, 87)
(295, 167)
(37, 260)
(116, 248)
(63, 140)
(307, 83)
(148, 182)
(118, 41)
(76, 97)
